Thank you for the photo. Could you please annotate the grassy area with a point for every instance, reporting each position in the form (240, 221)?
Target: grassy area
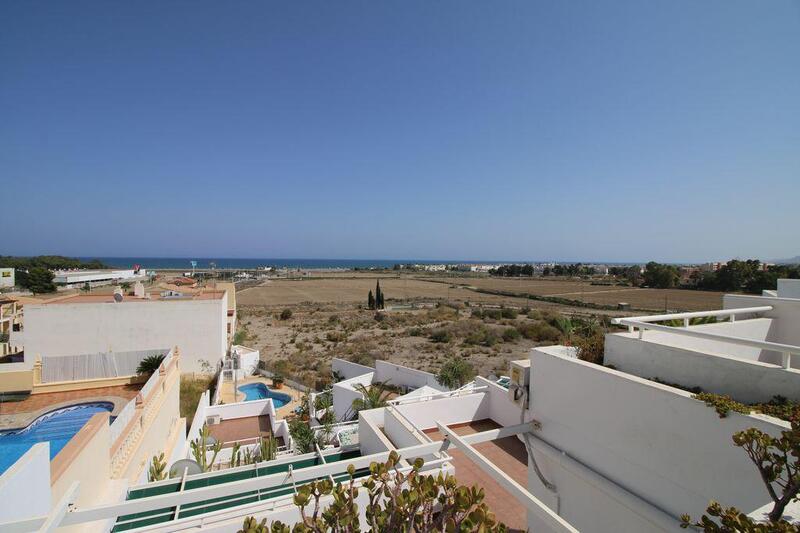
(192, 387)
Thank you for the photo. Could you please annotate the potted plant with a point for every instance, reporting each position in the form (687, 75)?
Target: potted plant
(277, 381)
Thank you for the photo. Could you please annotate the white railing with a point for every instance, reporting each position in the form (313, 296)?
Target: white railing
(695, 314)
(123, 419)
(645, 323)
(435, 396)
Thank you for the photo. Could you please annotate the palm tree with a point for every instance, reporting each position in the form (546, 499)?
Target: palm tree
(374, 396)
(149, 364)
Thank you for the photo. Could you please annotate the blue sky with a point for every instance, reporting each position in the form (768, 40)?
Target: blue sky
(455, 129)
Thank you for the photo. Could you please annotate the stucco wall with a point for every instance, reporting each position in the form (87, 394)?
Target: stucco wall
(655, 441)
(424, 415)
(347, 370)
(370, 437)
(196, 326)
(746, 380)
(785, 311)
(25, 486)
(344, 393)
(403, 376)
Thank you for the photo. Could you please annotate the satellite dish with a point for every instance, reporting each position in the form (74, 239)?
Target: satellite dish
(189, 465)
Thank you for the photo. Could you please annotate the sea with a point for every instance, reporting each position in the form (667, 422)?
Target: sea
(171, 263)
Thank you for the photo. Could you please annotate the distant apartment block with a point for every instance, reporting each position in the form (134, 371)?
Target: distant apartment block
(78, 278)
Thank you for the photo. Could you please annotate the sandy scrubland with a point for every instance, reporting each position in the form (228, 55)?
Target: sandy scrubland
(428, 318)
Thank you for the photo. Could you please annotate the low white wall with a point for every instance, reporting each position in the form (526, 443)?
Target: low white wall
(654, 440)
(501, 409)
(232, 411)
(370, 437)
(403, 376)
(25, 486)
(785, 311)
(789, 288)
(348, 370)
(197, 423)
(457, 410)
(745, 380)
(344, 393)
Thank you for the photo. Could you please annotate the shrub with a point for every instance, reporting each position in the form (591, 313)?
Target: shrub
(476, 313)
(591, 348)
(335, 336)
(494, 314)
(441, 335)
(482, 336)
(415, 332)
(539, 332)
(286, 314)
(455, 372)
(722, 403)
(508, 313)
(511, 335)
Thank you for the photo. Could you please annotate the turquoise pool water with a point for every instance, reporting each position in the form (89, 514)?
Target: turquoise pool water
(56, 427)
(259, 391)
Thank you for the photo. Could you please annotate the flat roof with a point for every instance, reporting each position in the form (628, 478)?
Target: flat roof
(154, 297)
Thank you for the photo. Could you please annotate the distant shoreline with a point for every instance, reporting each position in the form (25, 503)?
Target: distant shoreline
(181, 263)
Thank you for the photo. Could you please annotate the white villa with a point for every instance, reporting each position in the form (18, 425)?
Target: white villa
(561, 445)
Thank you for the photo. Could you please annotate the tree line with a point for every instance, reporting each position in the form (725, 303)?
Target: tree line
(515, 271)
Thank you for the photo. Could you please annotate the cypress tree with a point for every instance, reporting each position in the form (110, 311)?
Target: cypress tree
(370, 301)
(378, 296)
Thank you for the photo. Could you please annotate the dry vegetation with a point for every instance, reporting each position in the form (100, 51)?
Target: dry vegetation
(427, 320)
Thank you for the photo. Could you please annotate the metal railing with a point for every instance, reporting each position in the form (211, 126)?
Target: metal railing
(643, 323)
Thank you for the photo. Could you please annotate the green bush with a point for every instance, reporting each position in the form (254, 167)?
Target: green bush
(482, 336)
(511, 335)
(591, 348)
(494, 314)
(508, 313)
(286, 314)
(539, 332)
(441, 335)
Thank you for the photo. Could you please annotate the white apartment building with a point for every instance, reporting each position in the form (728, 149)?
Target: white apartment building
(98, 323)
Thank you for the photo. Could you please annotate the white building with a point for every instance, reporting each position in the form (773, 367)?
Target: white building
(78, 278)
(93, 323)
(568, 445)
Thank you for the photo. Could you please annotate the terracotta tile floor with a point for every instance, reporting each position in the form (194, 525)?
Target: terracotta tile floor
(509, 455)
(35, 402)
(242, 429)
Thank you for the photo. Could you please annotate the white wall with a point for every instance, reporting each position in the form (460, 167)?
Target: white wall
(501, 409)
(456, 410)
(344, 393)
(25, 486)
(789, 288)
(370, 437)
(197, 327)
(655, 441)
(785, 311)
(747, 381)
(403, 376)
(348, 370)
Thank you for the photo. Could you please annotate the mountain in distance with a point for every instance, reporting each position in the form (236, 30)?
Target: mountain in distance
(790, 261)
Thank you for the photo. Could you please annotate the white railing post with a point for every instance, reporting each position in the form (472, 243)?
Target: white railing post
(786, 359)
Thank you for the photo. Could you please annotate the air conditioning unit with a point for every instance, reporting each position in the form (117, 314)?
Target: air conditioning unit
(519, 386)
(213, 420)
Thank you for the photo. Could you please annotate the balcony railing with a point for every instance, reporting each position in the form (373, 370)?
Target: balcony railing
(642, 323)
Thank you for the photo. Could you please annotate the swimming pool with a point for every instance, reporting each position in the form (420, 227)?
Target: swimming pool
(57, 427)
(259, 391)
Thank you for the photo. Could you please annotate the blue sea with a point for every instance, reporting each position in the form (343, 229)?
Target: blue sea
(155, 263)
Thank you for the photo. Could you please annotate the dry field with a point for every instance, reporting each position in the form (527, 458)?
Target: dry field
(584, 291)
(277, 293)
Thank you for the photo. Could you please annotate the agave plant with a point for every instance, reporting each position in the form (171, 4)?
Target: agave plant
(374, 396)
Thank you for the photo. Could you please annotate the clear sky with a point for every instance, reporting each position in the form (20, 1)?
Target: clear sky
(457, 129)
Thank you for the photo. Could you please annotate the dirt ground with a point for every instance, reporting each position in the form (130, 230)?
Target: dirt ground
(328, 319)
